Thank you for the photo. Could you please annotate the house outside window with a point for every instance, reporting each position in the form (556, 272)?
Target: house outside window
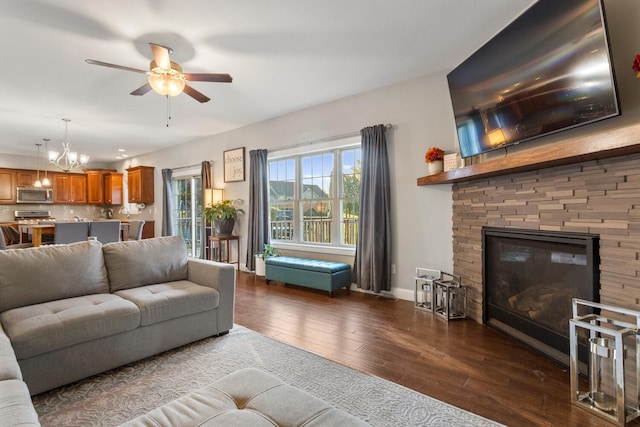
(314, 197)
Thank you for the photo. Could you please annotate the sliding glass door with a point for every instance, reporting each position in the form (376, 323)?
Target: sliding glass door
(187, 192)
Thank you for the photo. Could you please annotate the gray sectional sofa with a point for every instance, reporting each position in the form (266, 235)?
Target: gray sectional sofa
(71, 311)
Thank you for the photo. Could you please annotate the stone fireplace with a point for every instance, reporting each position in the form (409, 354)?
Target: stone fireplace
(529, 281)
(600, 197)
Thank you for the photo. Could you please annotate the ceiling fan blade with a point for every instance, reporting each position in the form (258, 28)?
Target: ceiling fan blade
(200, 97)
(141, 90)
(208, 77)
(119, 67)
(161, 56)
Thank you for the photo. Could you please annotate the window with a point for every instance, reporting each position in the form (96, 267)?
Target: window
(187, 193)
(314, 198)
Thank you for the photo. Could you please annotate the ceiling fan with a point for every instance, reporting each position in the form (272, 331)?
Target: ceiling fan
(166, 77)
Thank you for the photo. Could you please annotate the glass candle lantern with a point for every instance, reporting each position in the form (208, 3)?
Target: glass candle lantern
(611, 336)
(449, 297)
(423, 293)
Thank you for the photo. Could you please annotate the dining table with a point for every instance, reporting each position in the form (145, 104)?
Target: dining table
(38, 230)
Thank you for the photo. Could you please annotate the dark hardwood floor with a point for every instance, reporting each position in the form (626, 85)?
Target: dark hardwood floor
(460, 362)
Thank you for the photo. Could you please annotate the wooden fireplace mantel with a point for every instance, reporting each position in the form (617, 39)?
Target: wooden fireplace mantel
(612, 143)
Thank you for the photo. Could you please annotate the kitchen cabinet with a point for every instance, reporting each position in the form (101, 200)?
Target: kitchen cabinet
(104, 187)
(70, 188)
(140, 184)
(148, 229)
(7, 187)
(26, 178)
(95, 187)
(113, 188)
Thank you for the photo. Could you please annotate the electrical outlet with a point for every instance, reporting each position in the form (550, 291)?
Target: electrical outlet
(71, 211)
(393, 269)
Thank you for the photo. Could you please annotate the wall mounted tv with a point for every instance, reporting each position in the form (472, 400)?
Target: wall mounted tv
(547, 71)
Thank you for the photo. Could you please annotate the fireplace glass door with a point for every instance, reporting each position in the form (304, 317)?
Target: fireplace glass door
(530, 279)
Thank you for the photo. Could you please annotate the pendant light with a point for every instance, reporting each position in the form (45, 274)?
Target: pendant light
(68, 159)
(38, 183)
(45, 181)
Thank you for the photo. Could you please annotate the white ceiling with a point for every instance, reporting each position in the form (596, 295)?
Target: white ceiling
(284, 55)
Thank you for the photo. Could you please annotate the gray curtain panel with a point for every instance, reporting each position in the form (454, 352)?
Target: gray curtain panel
(167, 203)
(372, 264)
(258, 227)
(207, 184)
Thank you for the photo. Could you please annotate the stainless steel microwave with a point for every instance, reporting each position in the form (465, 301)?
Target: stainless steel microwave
(34, 195)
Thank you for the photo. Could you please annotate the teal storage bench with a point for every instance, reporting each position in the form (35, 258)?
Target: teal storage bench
(310, 273)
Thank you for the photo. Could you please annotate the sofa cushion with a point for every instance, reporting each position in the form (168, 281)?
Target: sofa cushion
(247, 397)
(135, 263)
(49, 326)
(308, 264)
(165, 301)
(46, 273)
(15, 405)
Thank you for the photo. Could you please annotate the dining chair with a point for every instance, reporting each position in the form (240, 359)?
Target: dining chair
(135, 229)
(11, 243)
(105, 231)
(69, 232)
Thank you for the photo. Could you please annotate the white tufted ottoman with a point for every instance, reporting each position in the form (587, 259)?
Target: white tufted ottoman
(248, 397)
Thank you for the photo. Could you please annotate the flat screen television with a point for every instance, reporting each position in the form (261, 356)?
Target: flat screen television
(547, 71)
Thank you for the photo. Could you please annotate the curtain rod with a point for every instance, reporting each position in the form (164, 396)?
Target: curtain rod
(190, 166)
(326, 139)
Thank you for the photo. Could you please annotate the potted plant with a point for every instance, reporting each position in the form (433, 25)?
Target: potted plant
(267, 251)
(223, 215)
(434, 159)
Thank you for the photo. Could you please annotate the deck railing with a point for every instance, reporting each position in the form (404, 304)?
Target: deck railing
(315, 230)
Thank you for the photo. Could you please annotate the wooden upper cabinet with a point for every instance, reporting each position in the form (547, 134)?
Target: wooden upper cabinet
(95, 187)
(104, 187)
(7, 187)
(26, 178)
(70, 188)
(113, 188)
(140, 184)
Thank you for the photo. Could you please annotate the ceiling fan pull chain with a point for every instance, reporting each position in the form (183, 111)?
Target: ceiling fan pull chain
(168, 110)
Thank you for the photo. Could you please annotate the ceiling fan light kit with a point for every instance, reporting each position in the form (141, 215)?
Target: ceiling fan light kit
(167, 82)
(166, 77)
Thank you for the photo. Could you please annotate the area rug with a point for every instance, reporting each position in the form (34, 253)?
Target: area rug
(121, 394)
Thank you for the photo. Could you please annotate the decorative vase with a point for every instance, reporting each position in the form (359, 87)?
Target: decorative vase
(224, 227)
(260, 266)
(435, 167)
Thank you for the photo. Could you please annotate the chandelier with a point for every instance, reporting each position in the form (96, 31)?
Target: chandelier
(68, 159)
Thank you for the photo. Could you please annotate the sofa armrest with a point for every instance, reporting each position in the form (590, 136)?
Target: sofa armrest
(9, 368)
(221, 277)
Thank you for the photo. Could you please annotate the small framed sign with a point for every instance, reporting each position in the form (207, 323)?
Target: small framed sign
(234, 165)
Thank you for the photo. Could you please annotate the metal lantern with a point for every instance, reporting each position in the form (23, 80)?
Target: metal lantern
(449, 297)
(610, 337)
(423, 292)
